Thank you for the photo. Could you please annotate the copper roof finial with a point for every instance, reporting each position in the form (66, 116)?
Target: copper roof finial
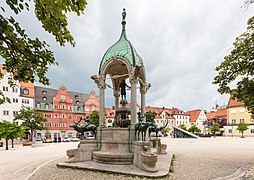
(123, 21)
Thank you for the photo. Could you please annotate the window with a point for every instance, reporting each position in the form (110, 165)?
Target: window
(233, 111)
(233, 121)
(44, 92)
(46, 124)
(25, 91)
(70, 117)
(110, 121)
(15, 100)
(241, 120)
(242, 110)
(76, 96)
(25, 101)
(5, 88)
(56, 116)
(44, 98)
(55, 124)
(79, 108)
(92, 101)
(15, 90)
(230, 131)
(79, 117)
(38, 105)
(47, 115)
(56, 106)
(62, 116)
(47, 106)
(69, 107)
(252, 131)
(62, 97)
(61, 124)
(6, 113)
(15, 113)
(77, 102)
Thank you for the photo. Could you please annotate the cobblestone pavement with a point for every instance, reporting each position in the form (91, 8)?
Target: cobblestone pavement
(195, 159)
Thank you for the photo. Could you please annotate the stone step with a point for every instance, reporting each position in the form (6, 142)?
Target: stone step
(112, 158)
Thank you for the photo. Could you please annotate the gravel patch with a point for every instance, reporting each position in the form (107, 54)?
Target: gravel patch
(193, 168)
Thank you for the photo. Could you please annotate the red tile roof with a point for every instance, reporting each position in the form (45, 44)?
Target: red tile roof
(194, 114)
(234, 103)
(221, 112)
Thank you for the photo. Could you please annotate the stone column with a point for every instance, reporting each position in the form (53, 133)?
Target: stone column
(133, 101)
(102, 104)
(116, 94)
(143, 100)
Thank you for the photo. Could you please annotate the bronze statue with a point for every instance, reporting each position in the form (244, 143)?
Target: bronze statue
(123, 86)
(82, 128)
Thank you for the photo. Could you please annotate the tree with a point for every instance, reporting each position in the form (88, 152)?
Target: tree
(32, 119)
(28, 58)
(238, 68)
(94, 118)
(194, 129)
(242, 127)
(182, 126)
(215, 128)
(10, 130)
(150, 116)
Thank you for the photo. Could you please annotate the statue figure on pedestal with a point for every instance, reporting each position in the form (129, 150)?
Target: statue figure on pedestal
(123, 86)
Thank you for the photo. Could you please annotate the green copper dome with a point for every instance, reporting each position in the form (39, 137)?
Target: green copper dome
(122, 48)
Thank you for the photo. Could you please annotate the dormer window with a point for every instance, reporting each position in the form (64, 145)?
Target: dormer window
(44, 92)
(77, 102)
(26, 91)
(76, 96)
(44, 98)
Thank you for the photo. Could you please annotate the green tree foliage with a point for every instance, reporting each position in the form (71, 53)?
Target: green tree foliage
(194, 129)
(182, 126)
(242, 127)
(32, 119)
(28, 58)
(215, 128)
(10, 131)
(238, 67)
(150, 116)
(94, 118)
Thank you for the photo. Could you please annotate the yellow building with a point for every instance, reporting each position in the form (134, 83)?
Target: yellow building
(237, 113)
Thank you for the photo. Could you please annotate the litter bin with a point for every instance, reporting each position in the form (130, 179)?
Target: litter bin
(1, 144)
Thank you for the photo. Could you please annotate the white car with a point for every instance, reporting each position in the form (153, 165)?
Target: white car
(66, 139)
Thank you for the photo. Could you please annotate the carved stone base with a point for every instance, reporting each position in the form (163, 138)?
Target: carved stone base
(143, 158)
(83, 152)
(160, 148)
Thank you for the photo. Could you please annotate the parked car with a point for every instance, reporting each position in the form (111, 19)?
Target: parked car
(90, 137)
(75, 139)
(66, 139)
(48, 141)
(38, 138)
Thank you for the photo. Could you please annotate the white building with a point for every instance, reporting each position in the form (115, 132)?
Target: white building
(198, 118)
(19, 95)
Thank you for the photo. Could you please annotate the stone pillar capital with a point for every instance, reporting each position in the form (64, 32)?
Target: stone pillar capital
(99, 80)
(144, 88)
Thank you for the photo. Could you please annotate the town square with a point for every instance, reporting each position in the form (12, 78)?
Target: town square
(126, 90)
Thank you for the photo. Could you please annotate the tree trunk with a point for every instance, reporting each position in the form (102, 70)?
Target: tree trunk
(242, 135)
(6, 143)
(12, 143)
(31, 135)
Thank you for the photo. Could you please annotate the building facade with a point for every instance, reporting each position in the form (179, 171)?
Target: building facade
(198, 118)
(22, 94)
(62, 108)
(237, 113)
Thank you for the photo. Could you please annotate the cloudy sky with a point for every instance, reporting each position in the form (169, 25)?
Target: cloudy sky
(181, 43)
